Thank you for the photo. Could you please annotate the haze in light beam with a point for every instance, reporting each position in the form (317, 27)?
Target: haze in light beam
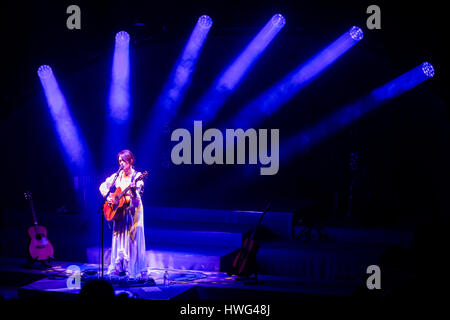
(65, 127)
(347, 115)
(274, 98)
(228, 81)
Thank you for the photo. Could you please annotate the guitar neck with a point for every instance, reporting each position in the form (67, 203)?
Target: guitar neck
(33, 212)
(263, 214)
(141, 177)
(124, 191)
(128, 188)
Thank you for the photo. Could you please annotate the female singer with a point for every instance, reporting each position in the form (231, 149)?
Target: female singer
(128, 240)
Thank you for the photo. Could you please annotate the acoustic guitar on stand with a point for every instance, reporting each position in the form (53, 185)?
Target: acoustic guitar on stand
(244, 264)
(118, 199)
(40, 248)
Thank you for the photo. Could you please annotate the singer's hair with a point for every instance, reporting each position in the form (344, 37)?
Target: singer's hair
(126, 155)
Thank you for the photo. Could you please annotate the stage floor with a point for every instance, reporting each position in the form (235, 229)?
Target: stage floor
(183, 284)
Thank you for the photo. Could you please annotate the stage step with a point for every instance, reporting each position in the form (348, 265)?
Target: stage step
(164, 256)
(192, 258)
(318, 260)
(371, 236)
(194, 233)
(401, 238)
(279, 223)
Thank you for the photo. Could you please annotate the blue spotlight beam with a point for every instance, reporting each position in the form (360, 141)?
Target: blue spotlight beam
(176, 85)
(347, 115)
(274, 98)
(234, 74)
(119, 103)
(119, 98)
(76, 153)
(227, 82)
(180, 77)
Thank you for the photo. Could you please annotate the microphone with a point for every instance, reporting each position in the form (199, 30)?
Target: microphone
(120, 169)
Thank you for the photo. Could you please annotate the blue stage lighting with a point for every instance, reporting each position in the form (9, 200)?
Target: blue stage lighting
(44, 71)
(119, 98)
(227, 82)
(231, 77)
(205, 21)
(177, 83)
(428, 69)
(272, 99)
(179, 79)
(356, 33)
(403, 83)
(76, 154)
(122, 38)
(278, 20)
(347, 115)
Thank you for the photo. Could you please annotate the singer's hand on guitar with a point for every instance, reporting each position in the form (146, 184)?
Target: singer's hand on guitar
(121, 197)
(110, 200)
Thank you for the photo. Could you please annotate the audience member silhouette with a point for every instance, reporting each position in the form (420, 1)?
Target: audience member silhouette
(97, 290)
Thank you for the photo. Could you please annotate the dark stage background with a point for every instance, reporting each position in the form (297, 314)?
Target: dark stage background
(402, 146)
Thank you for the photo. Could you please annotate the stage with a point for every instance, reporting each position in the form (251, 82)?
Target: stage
(183, 284)
(197, 248)
(315, 136)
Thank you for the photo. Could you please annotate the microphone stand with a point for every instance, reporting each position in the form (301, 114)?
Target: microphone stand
(102, 222)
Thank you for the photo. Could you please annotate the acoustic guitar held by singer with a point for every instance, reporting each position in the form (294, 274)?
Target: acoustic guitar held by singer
(117, 199)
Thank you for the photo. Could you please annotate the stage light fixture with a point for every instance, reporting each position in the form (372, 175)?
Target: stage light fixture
(356, 33)
(44, 71)
(205, 21)
(122, 38)
(278, 20)
(428, 69)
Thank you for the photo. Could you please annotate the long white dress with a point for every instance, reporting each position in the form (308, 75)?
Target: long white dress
(128, 240)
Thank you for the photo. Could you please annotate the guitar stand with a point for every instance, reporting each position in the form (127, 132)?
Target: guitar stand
(44, 264)
(250, 280)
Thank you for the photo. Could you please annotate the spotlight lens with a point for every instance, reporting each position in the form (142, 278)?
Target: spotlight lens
(44, 71)
(428, 69)
(205, 21)
(122, 37)
(356, 33)
(278, 20)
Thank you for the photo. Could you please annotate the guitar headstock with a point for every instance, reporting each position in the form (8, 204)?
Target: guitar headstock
(28, 195)
(143, 176)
